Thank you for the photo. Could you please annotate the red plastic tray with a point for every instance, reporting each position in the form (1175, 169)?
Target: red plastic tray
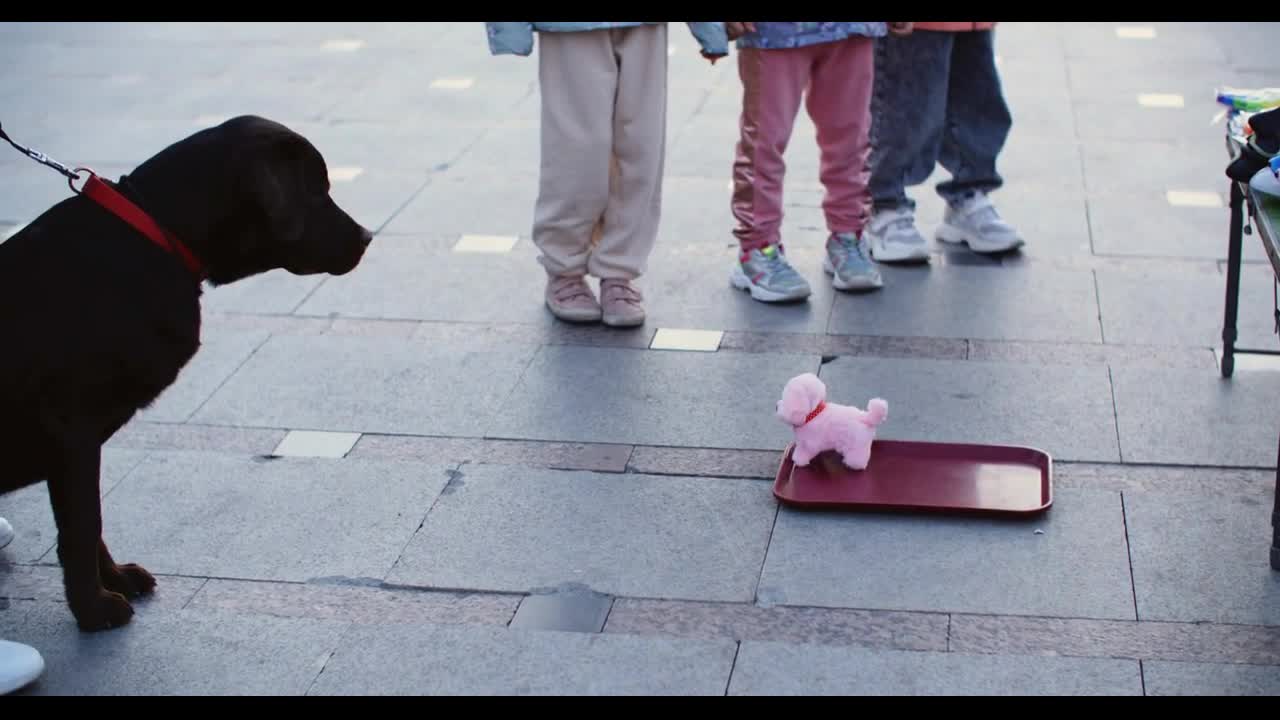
(923, 476)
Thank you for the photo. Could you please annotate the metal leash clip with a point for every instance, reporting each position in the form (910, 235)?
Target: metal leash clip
(71, 174)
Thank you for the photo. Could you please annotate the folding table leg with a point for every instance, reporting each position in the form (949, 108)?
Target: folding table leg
(1234, 252)
(1275, 521)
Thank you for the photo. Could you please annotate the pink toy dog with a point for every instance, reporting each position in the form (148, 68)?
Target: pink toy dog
(821, 426)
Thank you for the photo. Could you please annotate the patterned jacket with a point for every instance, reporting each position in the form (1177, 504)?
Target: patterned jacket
(776, 35)
(516, 38)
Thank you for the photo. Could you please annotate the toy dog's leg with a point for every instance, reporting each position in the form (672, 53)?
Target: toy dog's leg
(801, 455)
(857, 457)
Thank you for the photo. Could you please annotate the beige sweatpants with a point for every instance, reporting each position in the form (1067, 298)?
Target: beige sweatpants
(604, 123)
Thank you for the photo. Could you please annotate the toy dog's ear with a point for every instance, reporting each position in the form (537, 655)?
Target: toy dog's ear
(810, 389)
(793, 407)
(821, 389)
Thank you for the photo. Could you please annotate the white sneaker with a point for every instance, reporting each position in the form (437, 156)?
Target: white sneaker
(6, 533)
(894, 238)
(976, 223)
(20, 665)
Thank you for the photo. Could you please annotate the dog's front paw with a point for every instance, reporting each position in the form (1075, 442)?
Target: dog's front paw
(105, 611)
(129, 580)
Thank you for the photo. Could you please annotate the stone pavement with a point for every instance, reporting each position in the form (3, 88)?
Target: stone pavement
(411, 480)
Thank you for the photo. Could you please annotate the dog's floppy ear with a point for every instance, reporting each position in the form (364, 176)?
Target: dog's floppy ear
(275, 174)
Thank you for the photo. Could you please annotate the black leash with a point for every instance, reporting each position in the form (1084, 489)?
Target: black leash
(40, 157)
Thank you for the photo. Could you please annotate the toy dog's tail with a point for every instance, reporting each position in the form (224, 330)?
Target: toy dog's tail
(877, 409)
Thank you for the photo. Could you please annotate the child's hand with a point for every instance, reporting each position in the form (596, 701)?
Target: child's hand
(900, 29)
(736, 30)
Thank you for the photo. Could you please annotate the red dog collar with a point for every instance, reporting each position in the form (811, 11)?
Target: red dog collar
(109, 198)
(120, 206)
(821, 406)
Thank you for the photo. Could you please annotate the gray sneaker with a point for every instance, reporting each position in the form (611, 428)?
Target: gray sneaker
(976, 223)
(768, 276)
(849, 263)
(894, 238)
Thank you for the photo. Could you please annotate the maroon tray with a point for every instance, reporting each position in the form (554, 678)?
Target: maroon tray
(923, 476)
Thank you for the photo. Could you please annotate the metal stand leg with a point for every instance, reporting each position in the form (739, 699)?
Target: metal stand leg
(1275, 522)
(1234, 251)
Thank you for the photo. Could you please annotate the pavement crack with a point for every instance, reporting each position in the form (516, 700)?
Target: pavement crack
(733, 666)
(1128, 549)
(195, 594)
(1097, 298)
(755, 595)
(1115, 411)
(455, 483)
(324, 661)
(450, 473)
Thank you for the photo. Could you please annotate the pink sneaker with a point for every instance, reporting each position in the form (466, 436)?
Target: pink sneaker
(570, 299)
(622, 303)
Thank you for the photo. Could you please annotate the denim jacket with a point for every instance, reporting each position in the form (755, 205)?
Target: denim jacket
(774, 35)
(516, 38)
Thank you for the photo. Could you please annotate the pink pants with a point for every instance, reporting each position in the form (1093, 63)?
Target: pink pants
(835, 79)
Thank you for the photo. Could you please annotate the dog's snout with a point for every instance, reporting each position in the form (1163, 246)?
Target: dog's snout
(366, 237)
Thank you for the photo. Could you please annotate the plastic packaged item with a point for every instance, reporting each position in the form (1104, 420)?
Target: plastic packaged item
(1266, 181)
(1248, 100)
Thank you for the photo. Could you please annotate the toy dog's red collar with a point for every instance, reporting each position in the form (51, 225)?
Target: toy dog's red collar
(821, 406)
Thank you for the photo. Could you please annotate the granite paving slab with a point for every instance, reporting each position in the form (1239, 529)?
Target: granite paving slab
(655, 398)
(329, 383)
(29, 512)
(469, 660)
(1196, 417)
(1070, 562)
(1201, 557)
(291, 519)
(772, 668)
(515, 529)
(1066, 411)
(1217, 680)
(178, 653)
(974, 302)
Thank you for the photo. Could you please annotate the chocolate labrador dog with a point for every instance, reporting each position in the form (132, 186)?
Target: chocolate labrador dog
(96, 320)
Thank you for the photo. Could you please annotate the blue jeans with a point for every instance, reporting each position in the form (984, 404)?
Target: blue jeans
(937, 99)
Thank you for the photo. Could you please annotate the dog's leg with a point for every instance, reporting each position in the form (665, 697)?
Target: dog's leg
(77, 511)
(129, 580)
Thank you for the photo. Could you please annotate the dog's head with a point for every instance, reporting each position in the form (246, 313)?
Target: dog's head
(800, 396)
(284, 186)
(251, 195)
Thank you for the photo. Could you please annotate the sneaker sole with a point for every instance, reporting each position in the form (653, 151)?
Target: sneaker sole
(740, 281)
(905, 255)
(623, 321)
(863, 284)
(32, 665)
(958, 236)
(581, 317)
